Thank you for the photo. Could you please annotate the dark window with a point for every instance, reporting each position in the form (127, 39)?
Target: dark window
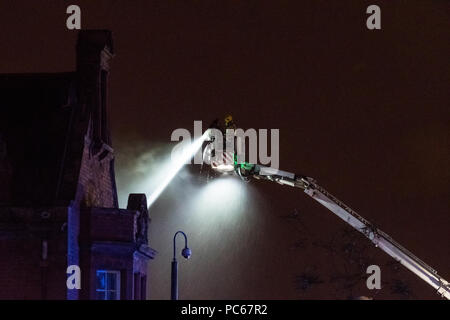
(108, 285)
(143, 288)
(137, 284)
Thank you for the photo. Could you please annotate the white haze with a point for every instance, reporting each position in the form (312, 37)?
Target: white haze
(226, 222)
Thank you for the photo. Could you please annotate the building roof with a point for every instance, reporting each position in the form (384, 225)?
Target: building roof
(35, 112)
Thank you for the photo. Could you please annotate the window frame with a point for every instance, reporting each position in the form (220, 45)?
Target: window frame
(117, 274)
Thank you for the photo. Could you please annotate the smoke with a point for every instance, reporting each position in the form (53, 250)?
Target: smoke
(140, 168)
(152, 171)
(220, 218)
(226, 221)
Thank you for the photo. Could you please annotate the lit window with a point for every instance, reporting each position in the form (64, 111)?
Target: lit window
(108, 285)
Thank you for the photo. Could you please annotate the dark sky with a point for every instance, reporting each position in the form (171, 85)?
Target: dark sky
(364, 112)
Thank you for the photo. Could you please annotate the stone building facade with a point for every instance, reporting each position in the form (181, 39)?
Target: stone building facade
(58, 197)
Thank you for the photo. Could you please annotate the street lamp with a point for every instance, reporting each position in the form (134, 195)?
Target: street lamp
(186, 252)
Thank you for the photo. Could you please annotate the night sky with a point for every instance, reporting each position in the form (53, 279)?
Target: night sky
(366, 113)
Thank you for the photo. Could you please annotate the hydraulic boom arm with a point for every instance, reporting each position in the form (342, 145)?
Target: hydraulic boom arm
(378, 237)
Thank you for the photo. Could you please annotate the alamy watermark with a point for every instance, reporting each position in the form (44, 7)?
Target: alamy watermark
(374, 280)
(74, 279)
(250, 145)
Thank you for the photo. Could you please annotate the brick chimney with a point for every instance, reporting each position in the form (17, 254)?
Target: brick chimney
(94, 54)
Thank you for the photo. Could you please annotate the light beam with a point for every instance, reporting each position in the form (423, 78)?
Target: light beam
(176, 165)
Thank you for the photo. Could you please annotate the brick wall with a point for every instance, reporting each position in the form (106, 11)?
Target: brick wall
(25, 272)
(113, 225)
(96, 187)
(82, 224)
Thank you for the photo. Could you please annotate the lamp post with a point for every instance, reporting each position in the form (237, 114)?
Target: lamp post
(186, 252)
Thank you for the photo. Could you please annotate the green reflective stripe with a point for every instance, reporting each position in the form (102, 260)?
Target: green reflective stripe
(244, 165)
(247, 166)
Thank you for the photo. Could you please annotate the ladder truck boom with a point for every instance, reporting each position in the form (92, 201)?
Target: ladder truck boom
(229, 163)
(378, 237)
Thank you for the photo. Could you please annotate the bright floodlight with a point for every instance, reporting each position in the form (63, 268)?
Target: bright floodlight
(187, 154)
(222, 161)
(224, 168)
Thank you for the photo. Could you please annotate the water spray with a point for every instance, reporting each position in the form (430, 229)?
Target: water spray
(178, 163)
